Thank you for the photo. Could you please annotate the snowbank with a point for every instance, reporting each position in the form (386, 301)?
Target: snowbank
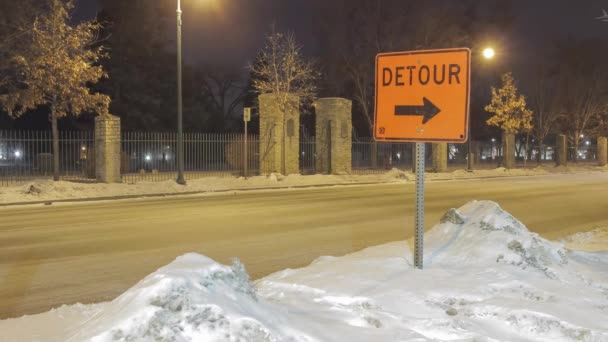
(486, 278)
(47, 190)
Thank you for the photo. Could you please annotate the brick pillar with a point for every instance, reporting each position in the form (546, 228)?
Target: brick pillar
(440, 157)
(273, 124)
(107, 149)
(333, 137)
(602, 151)
(474, 153)
(561, 153)
(508, 150)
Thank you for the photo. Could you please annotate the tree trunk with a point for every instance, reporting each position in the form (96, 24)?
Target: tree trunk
(526, 150)
(577, 140)
(55, 148)
(541, 150)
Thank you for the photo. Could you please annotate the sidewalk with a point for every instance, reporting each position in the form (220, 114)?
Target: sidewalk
(45, 191)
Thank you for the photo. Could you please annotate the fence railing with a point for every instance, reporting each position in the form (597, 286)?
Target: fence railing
(152, 156)
(307, 155)
(27, 155)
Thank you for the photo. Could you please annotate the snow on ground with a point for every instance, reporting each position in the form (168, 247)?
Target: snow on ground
(47, 190)
(486, 278)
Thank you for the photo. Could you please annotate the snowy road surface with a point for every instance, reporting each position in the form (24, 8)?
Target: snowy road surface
(92, 252)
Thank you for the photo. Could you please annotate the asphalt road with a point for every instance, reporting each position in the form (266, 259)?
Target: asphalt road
(91, 252)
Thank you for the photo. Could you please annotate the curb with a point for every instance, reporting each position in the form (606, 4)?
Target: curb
(187, 193)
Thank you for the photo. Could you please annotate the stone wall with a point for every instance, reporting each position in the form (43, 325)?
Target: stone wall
(561, 157)
(333, 136)
(474, 153)
(440, 157)
(107, 149)
(273, 127)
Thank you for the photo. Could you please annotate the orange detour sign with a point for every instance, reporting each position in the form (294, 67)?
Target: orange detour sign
(423, 96)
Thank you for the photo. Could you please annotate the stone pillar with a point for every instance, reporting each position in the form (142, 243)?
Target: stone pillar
(107, 149)
(279, 135)
(561, 153)
(508, 150)
(333, 137)
(440, 157)
(473, 157)
(602, 151)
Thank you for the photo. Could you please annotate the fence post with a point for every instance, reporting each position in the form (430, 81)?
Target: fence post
(107, 149)
(562, 151)
(602, 151)
(508, 155)
(333, 139)
(279, 136)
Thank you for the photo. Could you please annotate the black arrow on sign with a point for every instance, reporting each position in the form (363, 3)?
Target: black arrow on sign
(428, 110)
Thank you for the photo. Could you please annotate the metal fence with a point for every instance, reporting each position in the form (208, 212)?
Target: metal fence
(307, 155)
(151, 156)
(27, 155)
(375, 157)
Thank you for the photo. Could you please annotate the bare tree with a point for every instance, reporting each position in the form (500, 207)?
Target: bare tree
(280, 69)
(54, 68)
(16, 22)
(226, 90)
(352, 32)
(582, 92)
(545, 105)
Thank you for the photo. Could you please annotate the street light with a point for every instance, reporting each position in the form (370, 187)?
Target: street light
(180, 125)
(488, 53)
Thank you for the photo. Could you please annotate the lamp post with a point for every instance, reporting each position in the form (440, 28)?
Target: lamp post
(180, 124)
(488, 53)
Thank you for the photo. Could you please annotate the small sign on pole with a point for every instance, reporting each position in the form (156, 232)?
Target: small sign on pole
(422, 96)
(247, 114)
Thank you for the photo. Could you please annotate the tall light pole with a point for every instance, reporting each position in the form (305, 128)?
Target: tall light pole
(180, 124)
(488, 53)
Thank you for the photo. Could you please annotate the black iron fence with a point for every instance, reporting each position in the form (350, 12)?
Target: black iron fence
(145, 156)
(307, 155)
(27, 155)
(151, 156)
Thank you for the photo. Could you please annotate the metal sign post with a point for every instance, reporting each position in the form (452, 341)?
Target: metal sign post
(422, 96)
(246, 119)
(419, 234)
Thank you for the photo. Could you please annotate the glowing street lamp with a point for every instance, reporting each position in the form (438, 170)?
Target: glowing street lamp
(488, 53)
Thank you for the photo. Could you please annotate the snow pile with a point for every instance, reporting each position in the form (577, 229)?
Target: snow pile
(486, 278)
(47, 190)
(192, 299)
(400, 174)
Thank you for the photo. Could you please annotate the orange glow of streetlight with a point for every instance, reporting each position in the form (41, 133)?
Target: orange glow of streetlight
(488, 53)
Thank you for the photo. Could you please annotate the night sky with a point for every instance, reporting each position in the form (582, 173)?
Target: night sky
(230, 31)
